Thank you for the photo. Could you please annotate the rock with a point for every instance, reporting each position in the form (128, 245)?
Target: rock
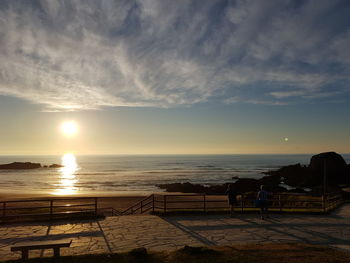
(337, 172)
(246, 185)
(56, 165)
(20, 165)
(183, 187)
(242, 185)
(294, 175)
(332, 160)
(331, 164)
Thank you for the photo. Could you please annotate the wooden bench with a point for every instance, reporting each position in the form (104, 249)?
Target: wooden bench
(55, 244)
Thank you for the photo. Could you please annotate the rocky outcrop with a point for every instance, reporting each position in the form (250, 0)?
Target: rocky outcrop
(193, 188)
(298, 176)
(183, 187)
(55, 166)
(329, 165)
(243, 185)
(294, 175)
(332, 165)
(27, 165)
(20, 165)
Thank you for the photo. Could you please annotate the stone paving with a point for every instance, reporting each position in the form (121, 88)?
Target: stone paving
(116, 234)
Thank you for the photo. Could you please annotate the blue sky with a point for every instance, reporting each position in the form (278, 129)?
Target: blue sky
(224, 76)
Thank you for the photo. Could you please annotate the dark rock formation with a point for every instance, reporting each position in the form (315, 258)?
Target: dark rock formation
(183, 187)
(294, 175)
(298, 176)
(20, 165)
(246, 185)
(243, 185)
(331, 164)
(194, 188)
(55, 165)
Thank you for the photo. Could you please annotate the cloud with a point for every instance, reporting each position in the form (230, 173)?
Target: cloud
(76, 55)
(286, 94)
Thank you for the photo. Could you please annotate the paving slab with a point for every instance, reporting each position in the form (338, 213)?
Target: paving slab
(122, 233)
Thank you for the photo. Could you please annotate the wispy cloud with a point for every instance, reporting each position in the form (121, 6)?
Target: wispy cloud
(72, 55)
(286, 94)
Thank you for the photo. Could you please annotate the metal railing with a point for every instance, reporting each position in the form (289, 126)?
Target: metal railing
(48, 208)
(246, 202)
(164, 203)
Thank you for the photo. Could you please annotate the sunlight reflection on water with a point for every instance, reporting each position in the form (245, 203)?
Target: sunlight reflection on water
(68, 178)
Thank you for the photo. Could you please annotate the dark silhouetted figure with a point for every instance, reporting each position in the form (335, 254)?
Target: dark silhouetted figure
(232, 198)
(262, 202)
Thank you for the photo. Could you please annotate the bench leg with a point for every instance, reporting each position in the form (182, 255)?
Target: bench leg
(56, 252)
(24, 254)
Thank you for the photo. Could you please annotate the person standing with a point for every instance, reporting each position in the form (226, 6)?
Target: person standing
(263, 202)
(232, 198)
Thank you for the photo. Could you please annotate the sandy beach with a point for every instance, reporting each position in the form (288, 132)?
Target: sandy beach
(118, 202)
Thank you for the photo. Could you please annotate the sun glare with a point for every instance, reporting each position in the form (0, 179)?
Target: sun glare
(69, 128)
(68, 177)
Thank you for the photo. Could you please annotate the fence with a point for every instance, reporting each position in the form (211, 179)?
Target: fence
(47, 208)
(246, 202)
(162, 203)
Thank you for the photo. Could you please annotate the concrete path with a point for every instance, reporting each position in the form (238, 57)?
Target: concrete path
(116, 234)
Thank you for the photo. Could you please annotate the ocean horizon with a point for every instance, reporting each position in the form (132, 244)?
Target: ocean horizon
(135, 174)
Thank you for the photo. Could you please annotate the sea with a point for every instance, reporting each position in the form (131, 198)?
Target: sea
(135, 174)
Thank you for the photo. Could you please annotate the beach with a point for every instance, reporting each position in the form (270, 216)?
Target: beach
(120, 202)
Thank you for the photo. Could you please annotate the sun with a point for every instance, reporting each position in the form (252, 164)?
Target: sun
(69, 128)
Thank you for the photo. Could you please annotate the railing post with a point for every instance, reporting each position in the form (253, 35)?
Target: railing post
(153, 203)
(242, 202)
(279, 202)
(204, 203)
(95, 206)
(164, 203)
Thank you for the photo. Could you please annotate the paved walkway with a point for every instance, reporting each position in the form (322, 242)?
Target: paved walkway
(115, 234)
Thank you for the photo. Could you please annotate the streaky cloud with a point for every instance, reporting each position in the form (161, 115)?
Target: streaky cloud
(86, 55)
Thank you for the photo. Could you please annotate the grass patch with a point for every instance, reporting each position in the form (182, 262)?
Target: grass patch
(252, 253)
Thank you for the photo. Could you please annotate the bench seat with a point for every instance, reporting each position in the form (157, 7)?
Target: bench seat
(54, 244)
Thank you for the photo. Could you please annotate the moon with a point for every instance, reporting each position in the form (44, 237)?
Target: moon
(69, 128)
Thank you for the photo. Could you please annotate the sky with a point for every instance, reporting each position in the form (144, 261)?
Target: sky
(175, 77)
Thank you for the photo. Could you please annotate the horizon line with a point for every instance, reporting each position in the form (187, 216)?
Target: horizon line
(165, 154)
